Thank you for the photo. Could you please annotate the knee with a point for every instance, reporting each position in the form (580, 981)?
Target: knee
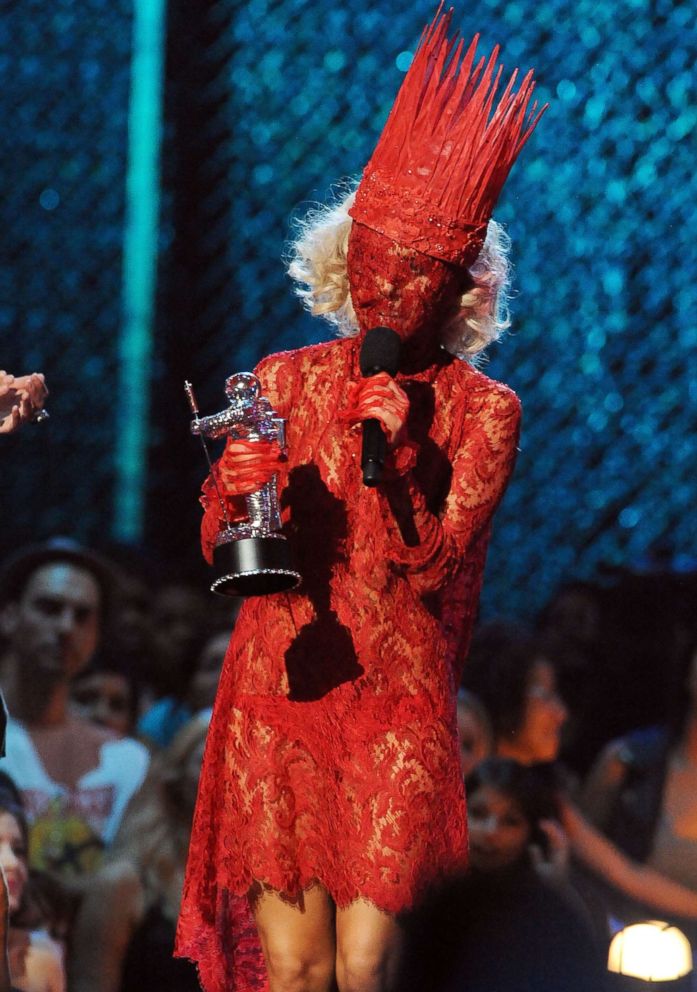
(291, 971)
(363, 970)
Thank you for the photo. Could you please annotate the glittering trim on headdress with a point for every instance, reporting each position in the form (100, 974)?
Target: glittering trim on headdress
(446, 150)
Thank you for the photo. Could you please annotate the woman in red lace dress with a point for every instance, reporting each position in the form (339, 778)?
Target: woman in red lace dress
(330, 795)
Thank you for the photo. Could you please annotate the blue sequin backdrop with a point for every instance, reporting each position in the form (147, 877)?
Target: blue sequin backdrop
(284, 98)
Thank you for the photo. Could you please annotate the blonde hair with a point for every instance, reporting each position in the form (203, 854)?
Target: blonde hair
(316, 260)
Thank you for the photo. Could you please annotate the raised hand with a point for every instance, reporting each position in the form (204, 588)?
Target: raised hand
(21, 398)
(379, 397)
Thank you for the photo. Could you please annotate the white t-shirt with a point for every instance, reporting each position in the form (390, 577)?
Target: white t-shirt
(69, 827)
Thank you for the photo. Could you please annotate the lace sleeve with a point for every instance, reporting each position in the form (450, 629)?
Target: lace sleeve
(429, 547)
(276, 375)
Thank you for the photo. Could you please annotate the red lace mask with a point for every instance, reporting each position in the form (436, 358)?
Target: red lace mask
(399, 287)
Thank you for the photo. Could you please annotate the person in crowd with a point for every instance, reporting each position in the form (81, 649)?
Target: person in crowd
(473, 731)
(21, 399)
(178, 630)
(500, 927)
(203, 686)
(510, 673)
(129, 634)
(5, 980)
(199, 666)
(642, 790)
(107, 693)
(75, 778)
(124, 933)
(574, 626)
(35, 961)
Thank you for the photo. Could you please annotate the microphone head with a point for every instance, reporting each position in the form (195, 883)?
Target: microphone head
(380, 351)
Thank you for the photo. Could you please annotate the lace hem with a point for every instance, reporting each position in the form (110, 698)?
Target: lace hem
(227, 952)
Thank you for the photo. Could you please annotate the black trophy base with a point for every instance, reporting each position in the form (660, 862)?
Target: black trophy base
(253, 566)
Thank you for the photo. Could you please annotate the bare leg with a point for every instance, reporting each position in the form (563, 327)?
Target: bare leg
(369, 948)
(297, 939)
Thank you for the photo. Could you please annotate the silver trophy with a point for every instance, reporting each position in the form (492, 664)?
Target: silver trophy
(251, 557)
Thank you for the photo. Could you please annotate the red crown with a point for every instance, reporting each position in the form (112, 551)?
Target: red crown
(445, 151)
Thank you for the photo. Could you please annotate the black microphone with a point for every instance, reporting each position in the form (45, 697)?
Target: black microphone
(379, 353)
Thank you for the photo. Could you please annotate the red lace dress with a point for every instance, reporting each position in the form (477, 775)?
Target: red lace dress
(332, 753)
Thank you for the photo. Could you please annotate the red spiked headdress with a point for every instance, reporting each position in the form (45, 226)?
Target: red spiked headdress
(445, 151)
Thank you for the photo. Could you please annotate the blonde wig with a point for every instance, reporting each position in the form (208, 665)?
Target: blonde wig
(317, 262)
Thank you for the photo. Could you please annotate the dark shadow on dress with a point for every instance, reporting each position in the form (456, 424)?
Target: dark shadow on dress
(322, 656)
(432, 472)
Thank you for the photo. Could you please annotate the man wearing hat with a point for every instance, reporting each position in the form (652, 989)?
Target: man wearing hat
(75, 777)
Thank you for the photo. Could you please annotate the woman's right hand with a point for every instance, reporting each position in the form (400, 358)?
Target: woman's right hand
(246, 466)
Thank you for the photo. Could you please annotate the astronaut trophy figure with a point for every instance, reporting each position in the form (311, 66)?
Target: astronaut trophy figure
(251, 557)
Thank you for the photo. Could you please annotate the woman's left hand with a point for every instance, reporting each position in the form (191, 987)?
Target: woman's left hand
(379, 397)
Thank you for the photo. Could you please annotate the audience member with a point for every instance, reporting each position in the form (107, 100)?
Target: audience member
(124, 935)
(35, 960)
(107, 694)
(198, 663)
(473, 730)
(21, 401)
(642, 791)
(572, 626)
(204, 681)
(501, 928)
(129, 634)
(179, 619)
(76, 778)
(179, 616)
(508, 671)
(5, 980)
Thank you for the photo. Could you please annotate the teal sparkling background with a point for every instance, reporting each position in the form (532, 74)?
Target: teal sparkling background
(289, 97)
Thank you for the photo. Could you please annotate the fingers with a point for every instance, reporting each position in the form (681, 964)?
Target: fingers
(557, 837)
(26, 406)
(554, 831)
(11, 422)
(6, 383)
(380, 398)
(246, 466)
(23, 397)
(33, 386)
(37, 389)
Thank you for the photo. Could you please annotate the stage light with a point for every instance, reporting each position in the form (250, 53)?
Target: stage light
(651, 953)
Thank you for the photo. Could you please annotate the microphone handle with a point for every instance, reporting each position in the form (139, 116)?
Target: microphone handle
(374, 452)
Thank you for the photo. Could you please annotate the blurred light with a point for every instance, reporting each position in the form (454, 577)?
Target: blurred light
(629, 517)
(263, 174)
(404, 60)
(597, 420)
(613, 281)
(566, 89)
(49, 199)
(652, 951)
(334, 60)
(613, 402)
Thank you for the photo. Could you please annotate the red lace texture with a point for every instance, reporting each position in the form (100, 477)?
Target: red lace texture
(332, 754)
